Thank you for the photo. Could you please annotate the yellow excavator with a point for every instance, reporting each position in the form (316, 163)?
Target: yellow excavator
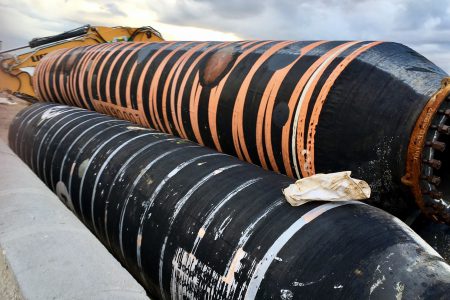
(16, 70)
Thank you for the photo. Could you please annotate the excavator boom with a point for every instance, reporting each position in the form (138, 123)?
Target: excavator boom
(16, 70)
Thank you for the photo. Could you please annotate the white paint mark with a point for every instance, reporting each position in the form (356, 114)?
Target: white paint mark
(194, 279)
(139, 128)
(201, 232)
(210, 216)
(82, 168)
(399, 287)
(191, 277)
(412, 265)
(266, 261)
(235, 266)
(301, 284)
(390, 254)
(377, 284)
(139, 240)
(250, 229)
(219, 232)
(338, 286)
(63, 195)
(53, 112)
(286, 295)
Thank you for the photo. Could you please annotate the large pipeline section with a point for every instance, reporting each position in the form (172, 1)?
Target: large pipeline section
(295, 107)
(189, 222)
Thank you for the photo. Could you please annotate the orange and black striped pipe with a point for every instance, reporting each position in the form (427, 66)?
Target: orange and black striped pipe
(295, 107)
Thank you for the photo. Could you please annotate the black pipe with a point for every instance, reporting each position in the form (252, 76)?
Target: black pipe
(295, 107)
(189, 222)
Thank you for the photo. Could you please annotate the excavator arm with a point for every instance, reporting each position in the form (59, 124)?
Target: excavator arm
(16, 70)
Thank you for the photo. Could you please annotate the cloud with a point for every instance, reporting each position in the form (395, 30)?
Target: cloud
(22, 20)
(423, 25)
(114, 10)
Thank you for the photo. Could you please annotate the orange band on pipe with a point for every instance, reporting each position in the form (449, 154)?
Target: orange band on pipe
(295, 101)
(238, 110)
(173, 106)
(193, 105)
(98, 56)
(103, 63)
(111, 68)
(217, 91)
(155, 84)
(119, 75)
(140, 85)
(302, 153)
(266, 108)
(323, 95)
(176, 66)
(83, 70)
(183, 86)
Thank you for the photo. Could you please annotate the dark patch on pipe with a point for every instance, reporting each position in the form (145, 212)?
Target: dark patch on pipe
(217, 64)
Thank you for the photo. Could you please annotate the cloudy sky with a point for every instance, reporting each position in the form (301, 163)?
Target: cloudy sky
(423, 25)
